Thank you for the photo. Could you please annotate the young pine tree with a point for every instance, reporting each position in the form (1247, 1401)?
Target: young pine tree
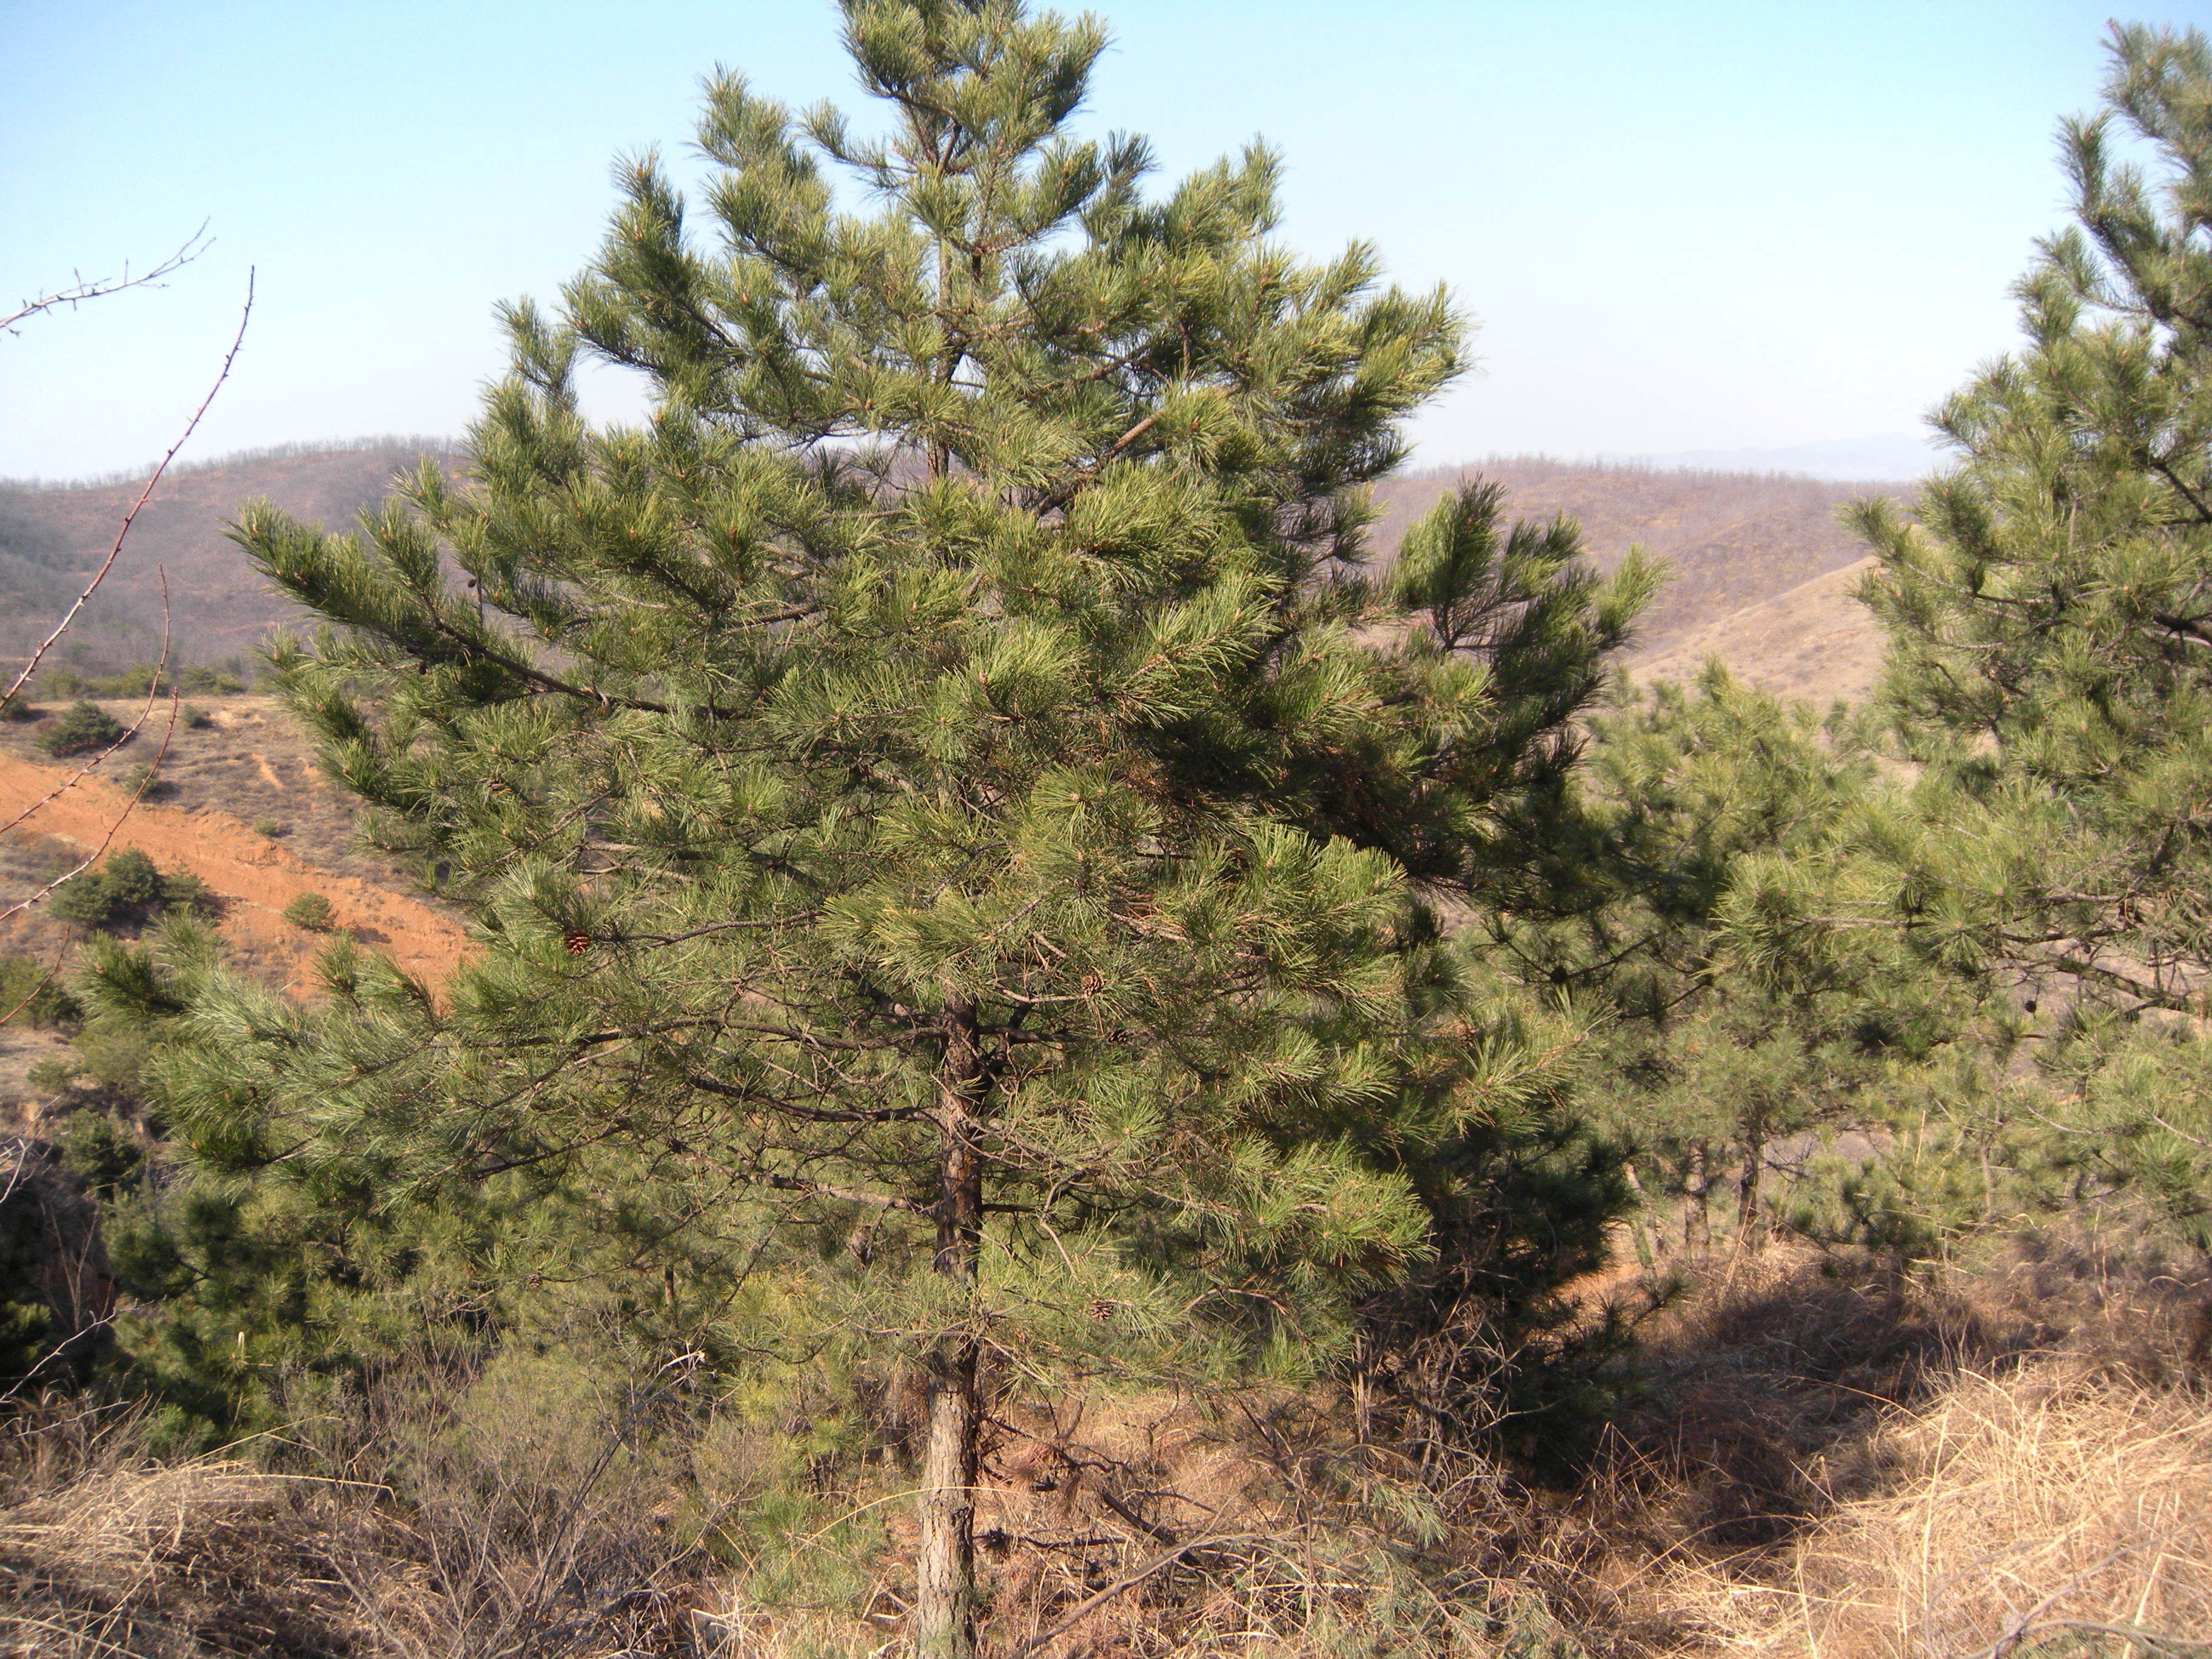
(940, 789)
(2050, 614)
(1721, 1037)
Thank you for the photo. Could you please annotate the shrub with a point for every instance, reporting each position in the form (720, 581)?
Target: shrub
(196, 720)
(183, 890)
(131, 881)
(128, 887)
(53, 1074)
(210, 682)
(100, 1151)
(35, 993)
(139, 680)
(267, 827)
(309, 910)
(17, 706)
(82, 898)
(81, 726)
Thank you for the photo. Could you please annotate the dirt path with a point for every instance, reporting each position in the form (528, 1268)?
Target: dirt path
(255, 877)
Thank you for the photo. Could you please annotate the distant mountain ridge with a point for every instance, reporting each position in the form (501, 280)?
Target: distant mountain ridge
(52, 536)
(1737, 545)
(1894, 456)
(1735, 541)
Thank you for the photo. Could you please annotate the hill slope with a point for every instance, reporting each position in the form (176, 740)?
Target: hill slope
(1762, 577)
(1754, 560)
(52, 537)
(1735, 542)
(1814, 643)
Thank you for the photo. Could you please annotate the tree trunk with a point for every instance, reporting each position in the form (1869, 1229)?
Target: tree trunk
(1747, 1193)
(1646, 1256)
(944, 1594)
(1696, 1239)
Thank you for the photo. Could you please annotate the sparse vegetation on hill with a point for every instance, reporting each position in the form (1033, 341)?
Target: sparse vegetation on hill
(1730, 540)
(52, 536)
(127, 886)
(1733, 541)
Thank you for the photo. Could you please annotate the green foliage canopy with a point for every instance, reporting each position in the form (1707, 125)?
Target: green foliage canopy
(2049, 672)
(943, 788)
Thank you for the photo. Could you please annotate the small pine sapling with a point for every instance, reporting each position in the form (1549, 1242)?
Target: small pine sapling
(309, 911)
(80, 728)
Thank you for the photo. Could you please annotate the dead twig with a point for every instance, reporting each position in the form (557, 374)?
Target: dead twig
(129, 518)
(98, 287)
(153, 769)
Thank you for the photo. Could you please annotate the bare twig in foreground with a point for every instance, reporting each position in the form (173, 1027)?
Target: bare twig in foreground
(98, 287)
(108, 563)
(152, 766)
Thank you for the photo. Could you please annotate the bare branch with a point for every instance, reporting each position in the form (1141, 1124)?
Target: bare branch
(152, 766)
(108, 563)
(44, 980)
(1128, 1581)
(100, 288)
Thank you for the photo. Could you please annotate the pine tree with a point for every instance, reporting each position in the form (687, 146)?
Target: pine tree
(2049, 669)
(2051, 613)
(943, 791)
(1655, 876)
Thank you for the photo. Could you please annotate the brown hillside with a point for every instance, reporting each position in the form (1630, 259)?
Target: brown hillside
(1815, 643)
(52, 537)
(1753, 558)
(1734, 542)
(238, 803)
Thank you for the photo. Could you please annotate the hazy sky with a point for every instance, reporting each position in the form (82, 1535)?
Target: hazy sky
(1682, 227)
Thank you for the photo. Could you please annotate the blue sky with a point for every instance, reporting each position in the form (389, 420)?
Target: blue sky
(1682, 227)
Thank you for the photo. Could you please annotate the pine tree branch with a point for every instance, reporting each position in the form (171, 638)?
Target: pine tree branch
(817, 1040)
(2165, 469)
(844, 1194)
(810, 1113)
(2153, 996)
(2190, 628)
(1061, 497)
(475, 646)
(797, 918)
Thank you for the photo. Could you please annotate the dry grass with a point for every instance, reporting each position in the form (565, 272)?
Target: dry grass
(1815, 643)
(105, 1552)
(538, 1541)
(2024, 1512)
(1815, 1457)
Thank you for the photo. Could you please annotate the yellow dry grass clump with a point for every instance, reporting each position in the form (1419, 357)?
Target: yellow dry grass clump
(2022, 1509)
(1812, 1457)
